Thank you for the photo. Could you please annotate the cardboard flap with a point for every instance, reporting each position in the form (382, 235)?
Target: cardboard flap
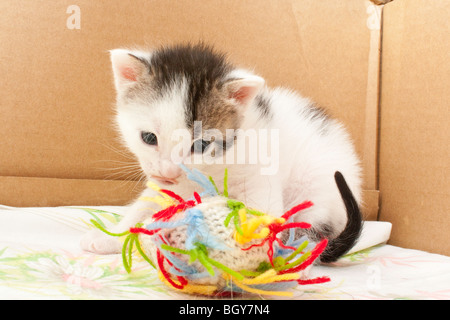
(51, 192)
(415, 117)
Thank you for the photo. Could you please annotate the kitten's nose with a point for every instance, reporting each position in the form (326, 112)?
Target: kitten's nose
(168, 173)
(169, 170)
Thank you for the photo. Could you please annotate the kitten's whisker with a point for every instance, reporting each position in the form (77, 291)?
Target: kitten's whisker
(122, 152)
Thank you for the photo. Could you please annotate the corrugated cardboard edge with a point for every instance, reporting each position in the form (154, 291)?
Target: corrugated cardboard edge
(371, 134)
(53, 192)
(371, 197)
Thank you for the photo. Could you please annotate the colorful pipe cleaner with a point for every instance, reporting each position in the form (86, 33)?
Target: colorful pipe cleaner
(216, 246)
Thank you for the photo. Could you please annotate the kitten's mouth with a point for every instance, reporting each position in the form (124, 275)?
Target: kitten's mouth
(165, 180)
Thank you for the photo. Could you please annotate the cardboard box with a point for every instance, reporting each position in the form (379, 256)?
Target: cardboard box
(414, 128)
(61, 148)
(59, 106)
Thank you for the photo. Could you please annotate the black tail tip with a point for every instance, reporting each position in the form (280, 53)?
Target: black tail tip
(346, 240)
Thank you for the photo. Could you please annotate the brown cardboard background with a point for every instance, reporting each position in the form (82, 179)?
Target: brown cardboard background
(57, 113)
(415, 118)
(59, 192)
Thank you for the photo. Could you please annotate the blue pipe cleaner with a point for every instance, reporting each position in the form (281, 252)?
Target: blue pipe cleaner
(197, 230)
(180, 268)
(198, 177)
(190, 276)
(231, 287)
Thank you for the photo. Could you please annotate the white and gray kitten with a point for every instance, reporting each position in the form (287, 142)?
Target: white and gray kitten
(195, 90)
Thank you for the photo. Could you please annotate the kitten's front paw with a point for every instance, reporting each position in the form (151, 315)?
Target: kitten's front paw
(98, 242)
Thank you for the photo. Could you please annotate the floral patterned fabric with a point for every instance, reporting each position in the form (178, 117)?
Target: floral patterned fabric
(40, 258)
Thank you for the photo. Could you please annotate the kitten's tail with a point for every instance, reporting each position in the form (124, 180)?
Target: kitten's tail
(348, 237)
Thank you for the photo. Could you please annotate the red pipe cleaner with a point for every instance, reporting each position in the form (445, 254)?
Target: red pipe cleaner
(172, 194)
(197, 197)
(144, 231)
(182, 280)
(167, 260)
(313, 281)
(169, 212)
(297, 208)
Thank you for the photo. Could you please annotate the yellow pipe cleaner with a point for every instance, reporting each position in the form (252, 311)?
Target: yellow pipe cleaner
(162, 199)
(243, 286)
(190, 288)
(250, 226)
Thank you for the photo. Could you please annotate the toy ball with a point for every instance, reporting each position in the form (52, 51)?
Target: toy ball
(216, 246)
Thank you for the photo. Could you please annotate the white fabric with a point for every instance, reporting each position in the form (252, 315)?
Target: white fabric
(40, 258)
(373, 233)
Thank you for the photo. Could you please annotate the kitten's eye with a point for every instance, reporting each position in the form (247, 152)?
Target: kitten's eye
(149, 138)
(199, 146)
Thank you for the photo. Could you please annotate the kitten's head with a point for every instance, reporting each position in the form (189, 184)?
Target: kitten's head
(181, 90)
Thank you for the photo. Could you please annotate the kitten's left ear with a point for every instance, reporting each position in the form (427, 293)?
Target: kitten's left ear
(128, 68)
(243, 90)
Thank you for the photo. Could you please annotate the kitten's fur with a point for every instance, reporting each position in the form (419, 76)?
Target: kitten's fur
(172, 87)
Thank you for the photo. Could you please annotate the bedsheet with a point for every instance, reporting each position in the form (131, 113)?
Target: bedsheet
(40, 258)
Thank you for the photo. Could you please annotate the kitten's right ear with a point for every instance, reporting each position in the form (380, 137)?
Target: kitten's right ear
(127, 67)
(242, 87)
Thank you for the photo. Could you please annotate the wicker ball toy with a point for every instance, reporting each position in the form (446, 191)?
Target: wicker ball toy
(213, 245)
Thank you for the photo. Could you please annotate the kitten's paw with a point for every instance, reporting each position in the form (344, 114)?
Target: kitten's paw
(98, 242)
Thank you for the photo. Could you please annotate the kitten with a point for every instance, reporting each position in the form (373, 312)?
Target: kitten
(227, 118)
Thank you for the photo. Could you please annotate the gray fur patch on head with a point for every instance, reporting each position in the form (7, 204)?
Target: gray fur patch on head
(203, 69)
(204, 72)
(203, 75)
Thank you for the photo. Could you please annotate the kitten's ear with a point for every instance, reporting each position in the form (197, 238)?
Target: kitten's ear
(127, 67)
(244, 89)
